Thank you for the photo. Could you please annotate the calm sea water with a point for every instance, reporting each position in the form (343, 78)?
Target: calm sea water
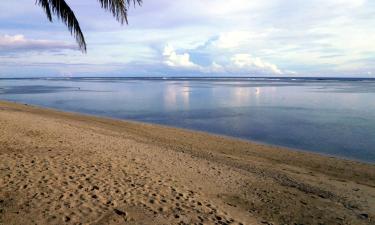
(329, 116)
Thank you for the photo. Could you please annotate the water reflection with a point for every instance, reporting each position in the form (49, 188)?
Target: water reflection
(330, 117)
(170, 97)
(257, 92)
(247, 96)
(242, 95)
(177, 96)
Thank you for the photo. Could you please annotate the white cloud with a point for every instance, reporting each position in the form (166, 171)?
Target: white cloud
(232, 39)
(229, 61)
(173, 59)
(344, 3)
(225, 7)
(215, 67)
(235, 40)
(20, 42)
(247, 62)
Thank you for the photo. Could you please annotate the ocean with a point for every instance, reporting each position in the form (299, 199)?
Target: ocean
(331, 116)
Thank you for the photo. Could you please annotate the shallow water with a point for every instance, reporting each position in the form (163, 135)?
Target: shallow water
(329, 116)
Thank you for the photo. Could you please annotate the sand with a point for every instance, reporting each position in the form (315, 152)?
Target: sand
(66, 168)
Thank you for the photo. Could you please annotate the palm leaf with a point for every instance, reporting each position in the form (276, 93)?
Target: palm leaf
(59, 8)
(63, 12)
(119, 8)
(45, 5)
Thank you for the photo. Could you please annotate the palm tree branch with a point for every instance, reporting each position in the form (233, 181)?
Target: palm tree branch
(45, 5)
(118, 8)
(66, 15)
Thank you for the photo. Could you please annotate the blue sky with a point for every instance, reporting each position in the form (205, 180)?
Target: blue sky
(195, 38)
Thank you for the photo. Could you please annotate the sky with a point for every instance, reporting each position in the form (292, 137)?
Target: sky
(328, 38)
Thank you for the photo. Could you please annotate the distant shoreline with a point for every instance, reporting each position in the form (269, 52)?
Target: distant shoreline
(297, 78)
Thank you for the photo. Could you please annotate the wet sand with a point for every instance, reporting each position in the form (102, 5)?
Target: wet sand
(66, 168)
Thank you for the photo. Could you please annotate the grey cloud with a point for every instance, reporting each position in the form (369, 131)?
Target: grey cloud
(15, 43)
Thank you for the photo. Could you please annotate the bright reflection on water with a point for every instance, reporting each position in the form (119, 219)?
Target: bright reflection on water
(335, 117)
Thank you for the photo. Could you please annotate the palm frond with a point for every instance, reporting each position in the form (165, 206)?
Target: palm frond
(45, 5)
(66, 15)
(119, 8)
(59, 8)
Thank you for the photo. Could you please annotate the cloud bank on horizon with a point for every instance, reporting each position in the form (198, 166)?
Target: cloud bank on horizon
(195, 38)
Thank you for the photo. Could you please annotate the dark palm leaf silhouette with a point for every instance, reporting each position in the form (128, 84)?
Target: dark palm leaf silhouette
(59, 8)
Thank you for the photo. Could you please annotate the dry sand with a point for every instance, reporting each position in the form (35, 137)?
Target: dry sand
(65, 168)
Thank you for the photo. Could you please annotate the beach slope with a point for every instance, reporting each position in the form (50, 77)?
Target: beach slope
(66, 168)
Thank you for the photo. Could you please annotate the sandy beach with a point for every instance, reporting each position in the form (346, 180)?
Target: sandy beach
(67, 168)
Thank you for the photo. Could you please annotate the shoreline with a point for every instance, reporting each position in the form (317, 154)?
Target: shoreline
(100, 170)
(286, 148)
